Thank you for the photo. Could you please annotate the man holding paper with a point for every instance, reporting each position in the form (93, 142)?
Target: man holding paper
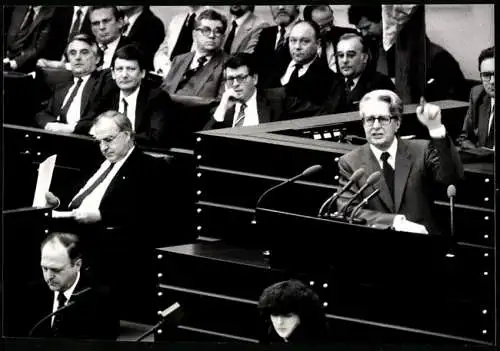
(410, 168)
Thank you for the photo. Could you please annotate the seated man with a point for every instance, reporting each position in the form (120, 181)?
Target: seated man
(479, 125)
(410, 169)
(242, 104)
(199, 72)
(353, 59)
(69, 107)
(89, 310)
(149, 109)
(244, 32)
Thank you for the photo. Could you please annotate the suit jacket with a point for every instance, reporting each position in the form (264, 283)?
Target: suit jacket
(420, 166)
(65, 26)
(247, 35)
(154, 114)
(270, 106)
(475, 127)
(26, 47)
(206, 83)
(96, 86)
(339, 102)
(148, 33)
(92, 316)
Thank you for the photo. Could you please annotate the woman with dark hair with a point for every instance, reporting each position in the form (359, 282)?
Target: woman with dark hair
(292, 313)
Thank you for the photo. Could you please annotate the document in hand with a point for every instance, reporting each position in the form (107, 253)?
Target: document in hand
(45, 171)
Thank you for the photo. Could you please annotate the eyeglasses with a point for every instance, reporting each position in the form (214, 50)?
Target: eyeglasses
(382, 120)
(109, 140)
(238, 79)
(217, 32)
(487, 75)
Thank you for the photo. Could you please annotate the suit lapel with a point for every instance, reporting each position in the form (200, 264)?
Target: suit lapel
(263, 109)
(229, 116)
(208, 70)
(246, 27)
(483, 119)
(87, 90)
(183, 67)
(403, 167)
(370, 164)
(141, 105)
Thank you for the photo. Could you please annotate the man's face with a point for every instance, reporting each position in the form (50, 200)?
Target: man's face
(370, 29)
(114, 144)
(351, 58)
(303, 43)
(241, 82)
(283, 15)
(105, 26)
(285, 324)
(209, 35)
(239, 10)
(82, 58)
(127, 74)
(487, 72)
(379, 135)
(58, 271)
(324, 19)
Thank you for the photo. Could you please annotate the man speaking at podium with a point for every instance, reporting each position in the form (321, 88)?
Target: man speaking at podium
(411, 168)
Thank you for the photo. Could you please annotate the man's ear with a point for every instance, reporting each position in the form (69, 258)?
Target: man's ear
(78, 263)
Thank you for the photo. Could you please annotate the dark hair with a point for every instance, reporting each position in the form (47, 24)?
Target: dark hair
(88, 39)
(116, 12)
(242, 59)
(213, 16)
(371, 12)
(70, 241)
(130, 52)
(485, 54)
(309, 9)
(314, 25)
(347, 36)
(292, 296)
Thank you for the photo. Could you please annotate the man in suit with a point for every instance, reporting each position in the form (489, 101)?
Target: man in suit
(244, 32)
(479, 124)
(149, 109)
(330, 33)
(411, 169)
(199, 72)
(68, 108)
(89, 309)
(353, 57)
(144, 29)
(272, 51)
(242, 104)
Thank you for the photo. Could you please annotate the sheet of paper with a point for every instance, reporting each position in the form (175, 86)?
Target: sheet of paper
(62, 214)
(45, 171)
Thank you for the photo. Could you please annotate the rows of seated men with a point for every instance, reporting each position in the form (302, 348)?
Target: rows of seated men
(299, 66)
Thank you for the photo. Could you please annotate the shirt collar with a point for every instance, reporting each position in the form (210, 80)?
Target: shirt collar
(252, 99)
(113, 44)
(131, 97)
(355, 81)
(84, 9)
(392, 150)
(305, 66)
(84, 78)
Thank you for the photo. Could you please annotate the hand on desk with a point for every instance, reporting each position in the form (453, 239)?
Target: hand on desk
(44, 63)
(52, 200)
(86, 216)
(59, 127)
(401, 224)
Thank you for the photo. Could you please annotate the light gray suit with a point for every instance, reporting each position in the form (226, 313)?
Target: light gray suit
(247, 36)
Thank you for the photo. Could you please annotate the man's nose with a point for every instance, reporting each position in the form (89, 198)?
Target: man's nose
(376, 123)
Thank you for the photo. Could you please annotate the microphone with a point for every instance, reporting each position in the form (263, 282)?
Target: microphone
(171, 311)
(59, 310)
(451, 191)
(307, 172)
(372, 179)
(362, 203)
(331, 200)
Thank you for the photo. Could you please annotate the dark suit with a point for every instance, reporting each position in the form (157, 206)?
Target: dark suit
(420, 166)
(332, 37)
(92, 316)
(95, 87)
(207, 82)
(270, 105)
(338, 101)
(148, 33)
(66, 24)
(476, 122)
(154, 114)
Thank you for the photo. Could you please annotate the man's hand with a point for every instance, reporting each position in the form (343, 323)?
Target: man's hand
(228, 99)
(52, 200)
(59, 127)
(44, 63)
(429, 114)
(86, 216)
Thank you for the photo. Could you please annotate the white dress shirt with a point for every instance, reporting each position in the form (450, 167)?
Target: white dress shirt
(67, 294)
(291, 67)
(392, 154)
(109, 52)
(74, 111)
(84, 10)
(288, 29)
(239, 22)
(131, 20)
(354, 80)
(93, 200)
(197, 55)
(330, 57)
(131, 107)
(251, 113)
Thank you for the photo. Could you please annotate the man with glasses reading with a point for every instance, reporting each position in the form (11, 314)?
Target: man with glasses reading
(479, 125)
(411, 168)
(242, 104)
(199, 72)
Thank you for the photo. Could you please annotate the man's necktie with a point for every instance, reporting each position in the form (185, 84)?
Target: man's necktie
(65, 108)
(281, 40)
(125, 107)
(185, 39)
(79, 199)
(28, 20)
(75, 29)
(241, 116)
(490, 141)
(295, 73)
(191, 72)
(56, 325)
(230, 38)
(348, 86)
(388, 173)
